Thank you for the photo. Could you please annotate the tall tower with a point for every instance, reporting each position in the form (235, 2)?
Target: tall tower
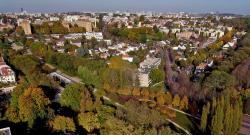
(21, 10)
(25, 24)
(95, 21)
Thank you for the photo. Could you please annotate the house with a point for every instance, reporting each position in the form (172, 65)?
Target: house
(7, 75)
(184, 35)
(5, 131)
(165, 30)
(97, 35)
(60, 43)
(127, 58)
(54, 19)
(6, 26)
(16, 47)
(230, 44)
(76, 43)
(200, 68)
(175, 30)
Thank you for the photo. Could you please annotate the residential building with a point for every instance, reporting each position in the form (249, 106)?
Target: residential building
(25, 24)
(145, 68)
(7, 75)
(97, 35)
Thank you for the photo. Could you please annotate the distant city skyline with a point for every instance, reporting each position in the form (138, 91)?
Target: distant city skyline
(197, 6)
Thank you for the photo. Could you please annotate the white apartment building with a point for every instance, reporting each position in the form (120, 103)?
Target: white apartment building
(97, 35)
(54, 19)
(145, 68)
(71, 18)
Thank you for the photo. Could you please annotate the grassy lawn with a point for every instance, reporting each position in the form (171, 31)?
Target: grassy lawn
(189, 123)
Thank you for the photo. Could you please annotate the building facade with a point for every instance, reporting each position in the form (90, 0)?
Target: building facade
(7, 75)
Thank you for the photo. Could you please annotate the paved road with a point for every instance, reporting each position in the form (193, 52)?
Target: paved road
(245, 125)
(73, 79)
(178, 126)
(180, 111)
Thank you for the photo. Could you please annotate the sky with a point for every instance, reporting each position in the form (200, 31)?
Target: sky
(197, 6)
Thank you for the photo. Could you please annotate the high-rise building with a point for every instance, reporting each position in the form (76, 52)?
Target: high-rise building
(25, 24)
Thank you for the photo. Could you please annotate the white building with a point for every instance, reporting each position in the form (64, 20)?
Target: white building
(145, 68)
(97, 35)
(144, 79)
(71, 18)
(54, 19)
(7, 75)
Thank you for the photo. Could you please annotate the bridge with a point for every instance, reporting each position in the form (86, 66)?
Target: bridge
(64, 81)
(60, 77)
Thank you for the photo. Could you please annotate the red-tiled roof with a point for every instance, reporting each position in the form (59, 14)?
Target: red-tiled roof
(5, 71)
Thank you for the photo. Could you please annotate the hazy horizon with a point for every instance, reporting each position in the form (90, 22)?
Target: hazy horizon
(196, 6)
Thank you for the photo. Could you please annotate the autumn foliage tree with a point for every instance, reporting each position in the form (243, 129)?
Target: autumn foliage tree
(62, 124)
(89, 121)
(28, 104)
(33, 104)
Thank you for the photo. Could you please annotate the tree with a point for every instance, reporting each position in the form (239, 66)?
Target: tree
(176, 101)
(88, 77)
(143, 38)
(39, 49)
(237, 115)
(156, 75)
(145, 94)
(184, 103)
(115, 126)
(141, 115)
(217, 120)
(58, 28)
(62, 124)
(117, 63)
(33, 104)
(204, 116)
(218, 81)
(142, 18)
(89, 121)
(120, 74)
(156, 29)
(136, 92)
(160, 99)
(19, 30)
(224, 115)
(72, 95)
(12, 114)
(151, 131)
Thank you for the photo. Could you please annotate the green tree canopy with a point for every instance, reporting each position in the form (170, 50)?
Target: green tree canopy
(156, 75)
(72, 95)
(219, 81)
